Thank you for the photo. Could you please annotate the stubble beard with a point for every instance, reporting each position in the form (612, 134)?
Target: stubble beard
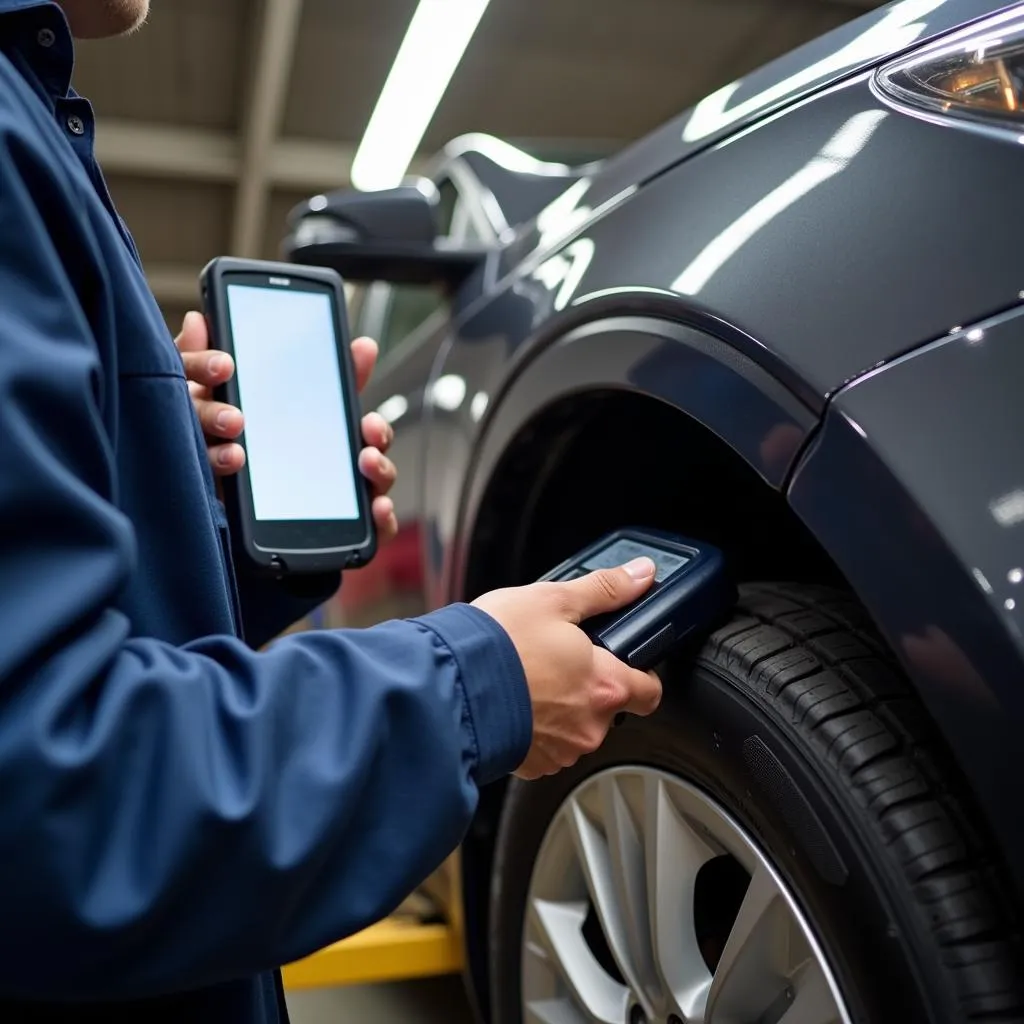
(96, 19)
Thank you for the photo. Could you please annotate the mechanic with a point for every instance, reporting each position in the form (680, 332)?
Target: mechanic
(180, 813)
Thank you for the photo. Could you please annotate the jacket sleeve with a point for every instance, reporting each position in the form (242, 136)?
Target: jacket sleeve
(174, 816)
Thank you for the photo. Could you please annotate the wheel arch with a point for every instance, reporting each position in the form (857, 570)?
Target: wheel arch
(640, 360)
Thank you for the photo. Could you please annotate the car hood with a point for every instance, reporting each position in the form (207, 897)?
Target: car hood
(845, 51)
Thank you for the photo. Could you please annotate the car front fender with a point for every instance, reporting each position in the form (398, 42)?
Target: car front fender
(915, 487)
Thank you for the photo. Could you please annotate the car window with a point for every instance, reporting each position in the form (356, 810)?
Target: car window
(409, 306)
(392, 312)
(447, 202)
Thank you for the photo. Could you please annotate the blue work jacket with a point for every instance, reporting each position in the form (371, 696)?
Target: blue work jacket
(179, 814)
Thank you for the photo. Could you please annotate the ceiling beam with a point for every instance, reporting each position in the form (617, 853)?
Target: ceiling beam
(298, 163)
(276, 34)
(166, 151)
(145, 150)
(174, 285)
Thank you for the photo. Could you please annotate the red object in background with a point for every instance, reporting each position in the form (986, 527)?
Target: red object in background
(396, 568)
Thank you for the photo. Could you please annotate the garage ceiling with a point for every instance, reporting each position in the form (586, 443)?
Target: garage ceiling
(220, 115)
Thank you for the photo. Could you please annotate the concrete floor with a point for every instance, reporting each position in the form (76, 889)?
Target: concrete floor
(431, 1001)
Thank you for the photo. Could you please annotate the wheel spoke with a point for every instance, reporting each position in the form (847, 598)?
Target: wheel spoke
(674, 856)
(560, 929)
(626, 848)
(553, 1011)
(812, 1001)
(613, 868)
(754, 969)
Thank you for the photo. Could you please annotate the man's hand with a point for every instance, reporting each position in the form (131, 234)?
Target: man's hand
(576, 688)
(222, 424)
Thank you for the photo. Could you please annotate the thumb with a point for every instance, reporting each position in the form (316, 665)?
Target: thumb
(194, 336)
(609, 589)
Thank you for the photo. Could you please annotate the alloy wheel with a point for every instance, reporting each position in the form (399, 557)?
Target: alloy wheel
(649, 904)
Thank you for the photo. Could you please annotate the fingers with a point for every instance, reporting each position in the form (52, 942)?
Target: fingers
(384, 519)
(226, 459)
(646, 694)
(378, 469)
(204, 369)
(637, 692)
(538, 763)
(208, 368)
(218, 419)
(194, 336)
(364, 355)
(377, 432)
(608, 589)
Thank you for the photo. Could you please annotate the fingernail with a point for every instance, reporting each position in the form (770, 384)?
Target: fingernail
(640, 568)
(223, 420)
(218, 364)
(224, 455)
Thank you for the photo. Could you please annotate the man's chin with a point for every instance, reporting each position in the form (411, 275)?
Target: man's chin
(100, 19)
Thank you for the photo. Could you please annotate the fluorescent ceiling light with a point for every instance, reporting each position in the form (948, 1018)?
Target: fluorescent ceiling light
(438, 36)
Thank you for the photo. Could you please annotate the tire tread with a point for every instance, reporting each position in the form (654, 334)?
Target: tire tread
(813, 656)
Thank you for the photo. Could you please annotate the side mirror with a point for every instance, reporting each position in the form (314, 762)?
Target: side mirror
(391, 235)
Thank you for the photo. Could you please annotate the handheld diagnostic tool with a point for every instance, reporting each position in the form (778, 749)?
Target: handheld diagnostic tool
(300, 504)
(691, 592)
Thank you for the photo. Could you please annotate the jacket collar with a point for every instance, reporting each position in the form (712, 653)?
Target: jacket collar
(9, 6)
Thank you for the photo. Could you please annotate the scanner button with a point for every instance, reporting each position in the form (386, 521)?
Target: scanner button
(650, 651)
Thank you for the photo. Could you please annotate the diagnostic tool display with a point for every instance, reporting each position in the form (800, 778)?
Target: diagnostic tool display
(691, 592)
(300, 504)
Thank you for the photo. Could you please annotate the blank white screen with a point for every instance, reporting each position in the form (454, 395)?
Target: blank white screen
(296, 435)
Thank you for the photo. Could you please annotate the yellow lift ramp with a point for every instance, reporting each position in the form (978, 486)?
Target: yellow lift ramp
(422, 939)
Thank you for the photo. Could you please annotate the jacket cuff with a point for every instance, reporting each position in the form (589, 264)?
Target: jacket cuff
(493, 686)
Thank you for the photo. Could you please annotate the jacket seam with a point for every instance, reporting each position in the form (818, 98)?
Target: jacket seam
(467, 709)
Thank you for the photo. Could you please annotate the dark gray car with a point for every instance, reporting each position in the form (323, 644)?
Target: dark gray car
(790, 322)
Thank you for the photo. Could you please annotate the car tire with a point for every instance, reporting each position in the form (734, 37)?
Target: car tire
(794, 719)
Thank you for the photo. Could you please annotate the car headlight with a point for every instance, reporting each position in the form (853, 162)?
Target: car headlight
(976, 73)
